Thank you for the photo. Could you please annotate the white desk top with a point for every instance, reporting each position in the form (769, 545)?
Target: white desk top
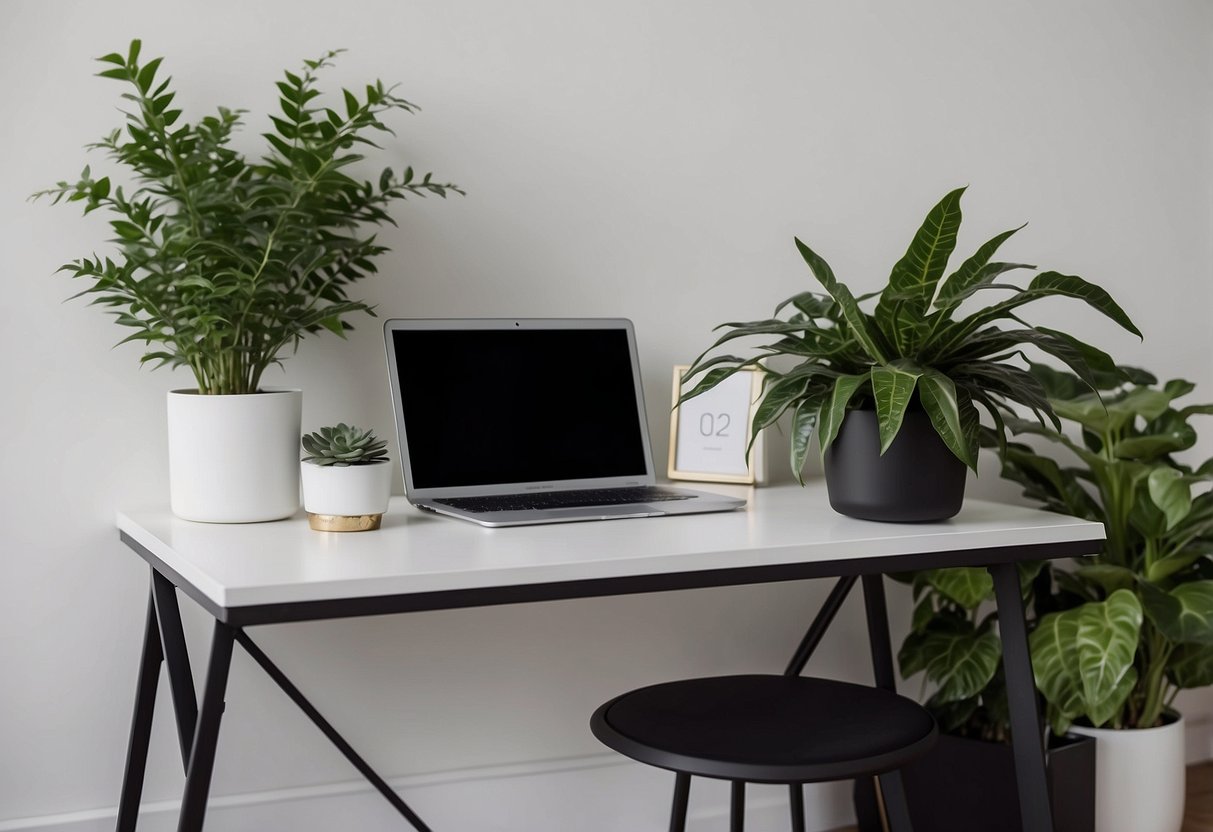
(286, 562)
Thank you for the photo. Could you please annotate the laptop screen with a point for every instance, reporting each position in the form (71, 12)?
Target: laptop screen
(500, 406)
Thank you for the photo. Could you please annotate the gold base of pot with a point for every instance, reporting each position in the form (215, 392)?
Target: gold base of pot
(343, 523)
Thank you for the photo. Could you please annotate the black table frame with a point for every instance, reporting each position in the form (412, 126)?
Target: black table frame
(198, 725)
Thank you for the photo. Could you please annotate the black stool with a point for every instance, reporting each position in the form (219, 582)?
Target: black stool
(785, 729)
(764, 729)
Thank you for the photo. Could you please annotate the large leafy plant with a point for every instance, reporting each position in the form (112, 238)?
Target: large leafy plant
(1136, 622)
(225, 262)
(916, 344)
(954, 643)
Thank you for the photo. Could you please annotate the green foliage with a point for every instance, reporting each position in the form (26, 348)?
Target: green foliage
(954, 644)
(1083, 658)
(1136, 623)
(343, 445)
(915, 346)
(223, 263)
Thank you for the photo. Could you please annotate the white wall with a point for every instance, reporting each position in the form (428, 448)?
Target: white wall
(650, 160)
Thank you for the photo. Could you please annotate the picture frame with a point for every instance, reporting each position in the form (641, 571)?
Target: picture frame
(709, 433)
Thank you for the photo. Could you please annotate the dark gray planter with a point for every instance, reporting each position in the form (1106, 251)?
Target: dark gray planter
(917, 480)
(964, 785)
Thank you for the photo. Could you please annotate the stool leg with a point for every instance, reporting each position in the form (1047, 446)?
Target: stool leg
(682, 792)
(891, 789)
(894, 796)
(796, 801)
(737, 807)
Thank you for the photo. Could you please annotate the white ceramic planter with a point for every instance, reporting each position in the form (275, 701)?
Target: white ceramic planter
(347, 492)
(1139, 778)
(234, 459)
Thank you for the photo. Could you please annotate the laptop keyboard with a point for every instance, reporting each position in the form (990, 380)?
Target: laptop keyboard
(565, 499)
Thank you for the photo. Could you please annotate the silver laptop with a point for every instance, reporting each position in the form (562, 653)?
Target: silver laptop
(509, 422)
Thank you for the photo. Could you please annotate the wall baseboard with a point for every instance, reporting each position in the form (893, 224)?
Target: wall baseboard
(599, 792)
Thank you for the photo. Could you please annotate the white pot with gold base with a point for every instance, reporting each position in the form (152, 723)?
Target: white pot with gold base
(346, 498)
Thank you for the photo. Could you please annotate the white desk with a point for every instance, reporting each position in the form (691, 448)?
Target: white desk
(245, 575)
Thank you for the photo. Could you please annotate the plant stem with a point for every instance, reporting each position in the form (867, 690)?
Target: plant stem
(1158, 652)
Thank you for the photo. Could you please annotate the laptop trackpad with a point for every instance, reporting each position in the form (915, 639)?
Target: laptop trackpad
(631, 510)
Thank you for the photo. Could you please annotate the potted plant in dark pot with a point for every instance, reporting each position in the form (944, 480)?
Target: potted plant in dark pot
(224, 263)
(967, 781)
(1134, 625)
(894, 394)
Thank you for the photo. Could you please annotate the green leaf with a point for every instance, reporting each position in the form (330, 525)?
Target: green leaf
(1171, 493)
(148, 74)
(1185, 614)
(1054, 649)
(1102, 711)
(859, 323)
(1107, 575)
(892, 387)
(1106, 643)
(1150, 447)
(803, 422)
(938, 396)
(961, 663)
(1083, 657)
(709, 380)
(1044, 285)
(1091, 413)
(333, 324)
(967, 586)
(1176, 560)
(911, 285)
(924, 612)
(775, 401)
(834, 407)
(912, 657)
(1191, 666)
(1140, 401)
(984, 278)
(973, 272)
(1055, 283)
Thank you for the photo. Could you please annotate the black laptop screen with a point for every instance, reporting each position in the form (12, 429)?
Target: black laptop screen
(488, 407)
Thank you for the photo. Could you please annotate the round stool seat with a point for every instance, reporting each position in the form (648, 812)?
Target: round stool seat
(766, 729)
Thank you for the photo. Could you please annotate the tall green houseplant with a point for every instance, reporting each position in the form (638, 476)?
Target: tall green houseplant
(224, 262)
(1135, 624)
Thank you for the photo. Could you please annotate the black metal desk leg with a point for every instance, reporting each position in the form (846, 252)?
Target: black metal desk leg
(141, 723)
(206, 733)
(326, 727)
(817, 630)
(177, 661)
(1026, 730)
(882, 668)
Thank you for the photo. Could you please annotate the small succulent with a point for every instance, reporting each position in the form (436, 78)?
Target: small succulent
(343, 445)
